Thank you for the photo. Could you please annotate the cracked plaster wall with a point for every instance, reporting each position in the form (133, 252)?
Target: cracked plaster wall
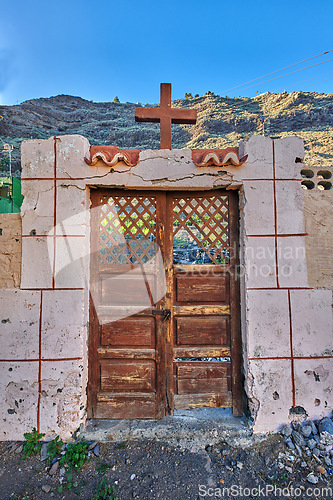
(10, 254)
(285, 321)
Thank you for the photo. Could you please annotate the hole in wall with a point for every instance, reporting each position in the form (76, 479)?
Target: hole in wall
(307, 184)
(324, 174)
(317, 402)
(324, 185)
(306, 172)
(276, 395)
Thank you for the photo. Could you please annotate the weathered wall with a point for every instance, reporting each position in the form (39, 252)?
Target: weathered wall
(286, 323)
(10, 250)
(318, 211)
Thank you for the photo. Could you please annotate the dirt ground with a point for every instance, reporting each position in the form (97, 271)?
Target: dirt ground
(148, 469)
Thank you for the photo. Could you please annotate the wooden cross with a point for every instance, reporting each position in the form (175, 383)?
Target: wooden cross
(166, 115)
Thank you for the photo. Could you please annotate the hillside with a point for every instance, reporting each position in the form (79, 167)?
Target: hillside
(222, 121)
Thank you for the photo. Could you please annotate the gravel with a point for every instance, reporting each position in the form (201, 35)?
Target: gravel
(149, 469)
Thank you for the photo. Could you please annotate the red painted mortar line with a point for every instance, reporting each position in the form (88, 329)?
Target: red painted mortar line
(272, 180)
(275, 220)
(85, 178)
(313, 357)
(39, 360)
(283, 288)
(291, 350)
(53, 236)
(37, 178)
(275, 235)
(62, 359)
(59, 178)
(49, 289)
(300, 179)
(289, 358)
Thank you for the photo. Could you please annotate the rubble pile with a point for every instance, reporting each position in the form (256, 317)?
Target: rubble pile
(311, 441)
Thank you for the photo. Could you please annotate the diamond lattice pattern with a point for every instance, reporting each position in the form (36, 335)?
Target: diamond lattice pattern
(200, 230)
(127, 227)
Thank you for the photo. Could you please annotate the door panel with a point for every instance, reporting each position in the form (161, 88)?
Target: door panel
(201, 340)
(164, 332)
(125, 347)
(127, 376)
(208, 289)
(133, 331)
(205, 331)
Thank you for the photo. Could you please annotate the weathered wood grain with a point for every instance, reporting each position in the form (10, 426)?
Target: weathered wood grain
(132, 367)
(202, 331)
(128, 376)
(201, 352)
(202, 289)
(114, 353)
(201, 310)
(129, 332)
(203, 369)
(202, 400)
(129, 406)
(203, 386)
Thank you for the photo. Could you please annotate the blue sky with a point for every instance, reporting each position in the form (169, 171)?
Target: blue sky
(100, 49)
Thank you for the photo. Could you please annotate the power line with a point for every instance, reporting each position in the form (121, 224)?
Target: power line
(321, 81)
(277, 71)
(287, 74)
(307, 80)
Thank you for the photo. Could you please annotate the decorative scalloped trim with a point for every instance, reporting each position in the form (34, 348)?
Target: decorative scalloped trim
(217, 157)
(111, 155)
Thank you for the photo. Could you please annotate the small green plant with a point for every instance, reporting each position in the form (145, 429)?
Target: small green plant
(32, 444)
(69, 485)
(105, 491)
(188, 95)
(102, 468)
(75, 455)
(54, 449)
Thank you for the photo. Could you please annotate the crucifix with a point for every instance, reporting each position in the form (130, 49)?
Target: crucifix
(166, 115)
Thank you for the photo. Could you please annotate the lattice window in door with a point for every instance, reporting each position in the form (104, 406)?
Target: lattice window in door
(127, 230)
(200, 230)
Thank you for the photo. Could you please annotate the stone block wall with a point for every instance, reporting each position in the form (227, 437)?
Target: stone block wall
(286, 305)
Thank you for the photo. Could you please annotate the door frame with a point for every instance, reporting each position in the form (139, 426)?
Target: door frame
(164, 329)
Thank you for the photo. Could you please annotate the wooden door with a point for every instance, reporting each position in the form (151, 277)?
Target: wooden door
(164, 321)
(205, 319)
